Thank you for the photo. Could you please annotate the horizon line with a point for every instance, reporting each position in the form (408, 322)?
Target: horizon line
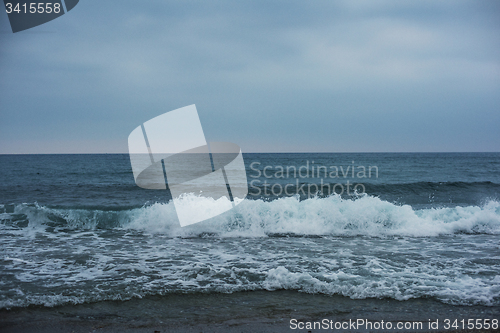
(292, 152)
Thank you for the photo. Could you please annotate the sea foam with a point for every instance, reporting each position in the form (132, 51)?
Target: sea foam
(333, 215)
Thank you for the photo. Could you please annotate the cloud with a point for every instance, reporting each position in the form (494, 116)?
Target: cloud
(281, 75)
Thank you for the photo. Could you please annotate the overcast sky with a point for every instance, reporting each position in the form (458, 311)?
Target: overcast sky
(271, 76)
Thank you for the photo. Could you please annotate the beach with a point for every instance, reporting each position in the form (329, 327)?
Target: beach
(256, 311)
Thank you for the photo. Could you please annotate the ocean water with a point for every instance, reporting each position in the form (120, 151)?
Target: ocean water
(76, 229)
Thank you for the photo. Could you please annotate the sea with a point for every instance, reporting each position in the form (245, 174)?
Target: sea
(76, 229)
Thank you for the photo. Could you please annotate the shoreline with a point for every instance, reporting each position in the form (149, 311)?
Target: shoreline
(251, 311)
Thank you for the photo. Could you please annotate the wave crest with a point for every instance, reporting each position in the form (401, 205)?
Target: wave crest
(333, 215)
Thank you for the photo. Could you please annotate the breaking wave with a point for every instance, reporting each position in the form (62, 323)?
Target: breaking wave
(333, 215)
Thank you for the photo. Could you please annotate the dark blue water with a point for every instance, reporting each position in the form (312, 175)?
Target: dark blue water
(106, 180)
(76, 228)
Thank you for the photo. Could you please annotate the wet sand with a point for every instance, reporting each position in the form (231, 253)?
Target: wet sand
(257, 311)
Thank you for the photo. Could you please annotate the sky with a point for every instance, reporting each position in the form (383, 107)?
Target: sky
(270, 76)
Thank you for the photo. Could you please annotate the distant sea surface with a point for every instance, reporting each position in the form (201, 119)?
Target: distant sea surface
(76, 229)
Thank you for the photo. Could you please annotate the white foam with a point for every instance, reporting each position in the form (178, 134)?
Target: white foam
(367, 215)
(462, 289)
